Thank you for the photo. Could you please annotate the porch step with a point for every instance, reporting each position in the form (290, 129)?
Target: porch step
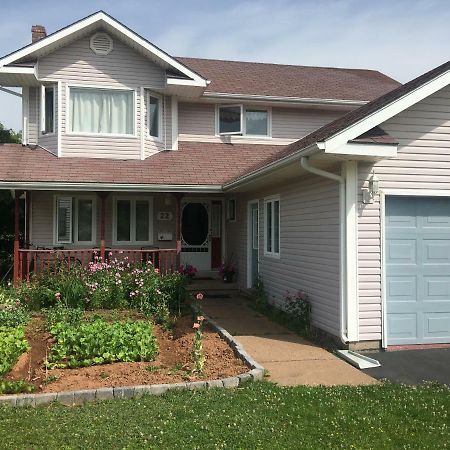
(214, 287)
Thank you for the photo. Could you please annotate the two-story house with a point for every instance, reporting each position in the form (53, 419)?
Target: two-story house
(334, 181)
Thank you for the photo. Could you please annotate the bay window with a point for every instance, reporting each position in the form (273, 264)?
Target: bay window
(272, 226)
(133, 220)
(101, 111)
(48, 98)
(75, 220)
(154, 116)
(244, 121)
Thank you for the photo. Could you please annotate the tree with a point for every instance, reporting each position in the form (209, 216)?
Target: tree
(8, 136)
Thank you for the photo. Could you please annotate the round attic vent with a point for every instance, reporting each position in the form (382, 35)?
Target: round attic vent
(101, 44)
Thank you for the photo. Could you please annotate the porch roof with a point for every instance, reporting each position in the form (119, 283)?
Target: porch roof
(193, 164)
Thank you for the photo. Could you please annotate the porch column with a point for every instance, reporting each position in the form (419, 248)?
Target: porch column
(16, 262)
(178, 196)
(27, 218)
(103, 196)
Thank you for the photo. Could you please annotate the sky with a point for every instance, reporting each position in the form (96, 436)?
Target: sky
(401, 38)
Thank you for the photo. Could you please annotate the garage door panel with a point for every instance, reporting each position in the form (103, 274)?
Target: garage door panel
(402, 327)
(417, 262)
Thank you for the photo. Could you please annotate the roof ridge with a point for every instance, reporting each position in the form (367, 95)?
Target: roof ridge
(283, 65)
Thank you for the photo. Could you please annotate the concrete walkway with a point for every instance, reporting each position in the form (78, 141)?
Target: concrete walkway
(289, 359)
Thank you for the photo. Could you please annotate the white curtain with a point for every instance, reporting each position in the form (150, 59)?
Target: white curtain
(101, 111)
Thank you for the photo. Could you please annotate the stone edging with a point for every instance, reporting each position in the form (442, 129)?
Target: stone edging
(72, 398)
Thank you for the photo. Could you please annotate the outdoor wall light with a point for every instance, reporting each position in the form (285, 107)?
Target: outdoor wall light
(374, 187)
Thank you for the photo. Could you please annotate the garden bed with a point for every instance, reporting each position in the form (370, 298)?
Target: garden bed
(173, 363)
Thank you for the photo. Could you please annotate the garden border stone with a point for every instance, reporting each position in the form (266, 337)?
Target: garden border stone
(73, 398)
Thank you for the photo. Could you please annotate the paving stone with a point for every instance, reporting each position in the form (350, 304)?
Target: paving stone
(124, 392)
(25, 400)
(194, 385)
(140, 391)
(257, 374)
(8, 400)
(214, 383)
(159, 389)
(231, 382)
(45, 399)
(104, 394)
(244, 378)
(177, 386)
(65, 398)
(83, 396)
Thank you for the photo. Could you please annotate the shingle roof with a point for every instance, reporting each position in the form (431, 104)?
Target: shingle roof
(248, 78)
(355, 115)
(191, 164)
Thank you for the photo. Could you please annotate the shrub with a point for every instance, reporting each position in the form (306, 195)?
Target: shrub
(299, 309)
(62, 314)
(12, 345)
(15, 387)
(99, 342)
(13, 315)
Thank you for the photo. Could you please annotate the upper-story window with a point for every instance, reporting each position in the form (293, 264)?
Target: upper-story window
(154, 115)
(48, 109)
(243, 120)
(101, 111)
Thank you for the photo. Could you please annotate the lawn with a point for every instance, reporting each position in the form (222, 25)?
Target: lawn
(257, 416)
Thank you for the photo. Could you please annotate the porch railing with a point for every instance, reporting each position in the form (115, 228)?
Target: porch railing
(36, 261)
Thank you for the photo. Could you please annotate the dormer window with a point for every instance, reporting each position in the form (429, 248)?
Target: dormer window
(243, 120)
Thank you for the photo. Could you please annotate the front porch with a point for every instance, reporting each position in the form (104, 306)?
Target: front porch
(62, 228)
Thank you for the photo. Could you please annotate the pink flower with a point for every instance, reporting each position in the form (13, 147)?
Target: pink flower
(199, 296)
(58, 296)
(200, 319)
(156, 270)
(196, 326)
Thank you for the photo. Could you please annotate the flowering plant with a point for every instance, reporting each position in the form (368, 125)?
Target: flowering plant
(299, 307)
(227, 270)
(187, 270)
(197, 354)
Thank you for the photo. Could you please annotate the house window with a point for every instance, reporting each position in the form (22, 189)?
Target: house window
(231, 209)
(133, 221)
(101, 111)
(75, 220)
(245, 121)
(48, 109)
(272, 226)
(154, 116)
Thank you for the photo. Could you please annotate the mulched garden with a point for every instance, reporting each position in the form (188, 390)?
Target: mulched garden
(114, 324)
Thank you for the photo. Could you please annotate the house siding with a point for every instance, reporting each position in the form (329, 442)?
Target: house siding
(42, 222)
(77, 64)
(423, 162)
(197, 121)
(309, 246)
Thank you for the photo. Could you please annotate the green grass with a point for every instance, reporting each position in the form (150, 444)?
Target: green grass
(257, 416)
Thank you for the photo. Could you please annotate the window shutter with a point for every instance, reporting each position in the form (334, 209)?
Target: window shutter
(64, 220)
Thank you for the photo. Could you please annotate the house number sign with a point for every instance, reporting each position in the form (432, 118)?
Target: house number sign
(165, 215)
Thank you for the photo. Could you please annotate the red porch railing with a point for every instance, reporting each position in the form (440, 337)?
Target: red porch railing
(35, 261)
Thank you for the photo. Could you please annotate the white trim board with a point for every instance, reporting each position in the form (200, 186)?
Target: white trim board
(249, 239)
(92, 22)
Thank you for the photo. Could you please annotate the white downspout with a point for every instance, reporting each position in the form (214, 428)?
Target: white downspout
(304, 163)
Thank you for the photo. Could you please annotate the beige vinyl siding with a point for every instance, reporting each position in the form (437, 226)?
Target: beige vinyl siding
(309, 246)
(33, 115)
(42, 220)
(50, 141)
(198, 121)
(77, 64)
(423, 162)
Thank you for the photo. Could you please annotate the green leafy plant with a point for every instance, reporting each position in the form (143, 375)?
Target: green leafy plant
(198, 356)
(13, 315)
(15, 387)
(299, 309)
(62, 314)
(98, 342)
(12, 345)
(260, 295)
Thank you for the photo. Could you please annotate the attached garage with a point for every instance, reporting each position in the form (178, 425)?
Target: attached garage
(417, 268)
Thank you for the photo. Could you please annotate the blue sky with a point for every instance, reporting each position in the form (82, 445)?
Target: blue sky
(402, 38)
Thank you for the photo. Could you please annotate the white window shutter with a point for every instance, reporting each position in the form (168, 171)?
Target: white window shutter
(64, 212)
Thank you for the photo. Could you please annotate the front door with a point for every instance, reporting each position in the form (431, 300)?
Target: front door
(253, 244)
(195, 234)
